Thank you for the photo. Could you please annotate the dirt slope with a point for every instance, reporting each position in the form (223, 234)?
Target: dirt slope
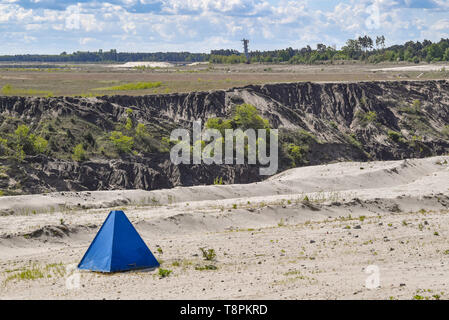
(340, 121)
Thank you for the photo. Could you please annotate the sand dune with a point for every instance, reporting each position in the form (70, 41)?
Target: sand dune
(296, 235)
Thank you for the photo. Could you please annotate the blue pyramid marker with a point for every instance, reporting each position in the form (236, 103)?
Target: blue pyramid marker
(117, 247)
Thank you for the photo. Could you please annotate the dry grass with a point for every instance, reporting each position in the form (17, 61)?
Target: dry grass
(90, 80)
(132, 86)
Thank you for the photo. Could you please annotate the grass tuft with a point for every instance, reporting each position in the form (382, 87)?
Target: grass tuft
(132, 86)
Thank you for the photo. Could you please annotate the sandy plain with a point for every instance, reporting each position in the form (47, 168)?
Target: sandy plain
(306, 233)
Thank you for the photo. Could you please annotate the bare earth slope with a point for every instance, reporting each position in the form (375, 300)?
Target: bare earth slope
(305, 233)
(340, 121)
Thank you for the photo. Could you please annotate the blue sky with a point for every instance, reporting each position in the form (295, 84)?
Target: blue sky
(53, 26)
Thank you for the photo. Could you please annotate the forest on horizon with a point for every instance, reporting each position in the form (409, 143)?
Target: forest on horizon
(363, 49)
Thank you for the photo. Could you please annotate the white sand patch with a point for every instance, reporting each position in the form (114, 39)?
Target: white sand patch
(427, 67)
(198, 63)
(148, 64)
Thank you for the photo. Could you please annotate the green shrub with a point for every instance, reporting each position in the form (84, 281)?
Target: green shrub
(79, 154)
(366, 117)
(445, 131)
(22, 133)
(121, 142)
(417, 143)
(40, 144)
(27, 142)
(201, 143)
(395, 136)
(208, 254)
(163, 273)
(219, 124)
(141, 131)
(371, 116)
(295, 146)
(19, 153)
(129, 124)
(352, 139)
(247, 117)
(206, 267)
(296, 154)
(3, 146)
(244, 117)
(416, 105)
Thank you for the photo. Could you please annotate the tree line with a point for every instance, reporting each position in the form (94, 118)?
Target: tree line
(361, 49)
(108, 56)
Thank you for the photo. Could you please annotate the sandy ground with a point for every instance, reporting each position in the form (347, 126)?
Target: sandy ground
(307, 233)
(427, 67)
(143, 64)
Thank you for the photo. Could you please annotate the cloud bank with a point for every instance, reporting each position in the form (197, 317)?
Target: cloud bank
(50, 26)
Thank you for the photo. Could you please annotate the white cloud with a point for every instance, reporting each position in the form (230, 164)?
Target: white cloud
(29, 39)
(201, 25)
(440, 25)
(13, 13)
(84, 41)
(240, 7)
